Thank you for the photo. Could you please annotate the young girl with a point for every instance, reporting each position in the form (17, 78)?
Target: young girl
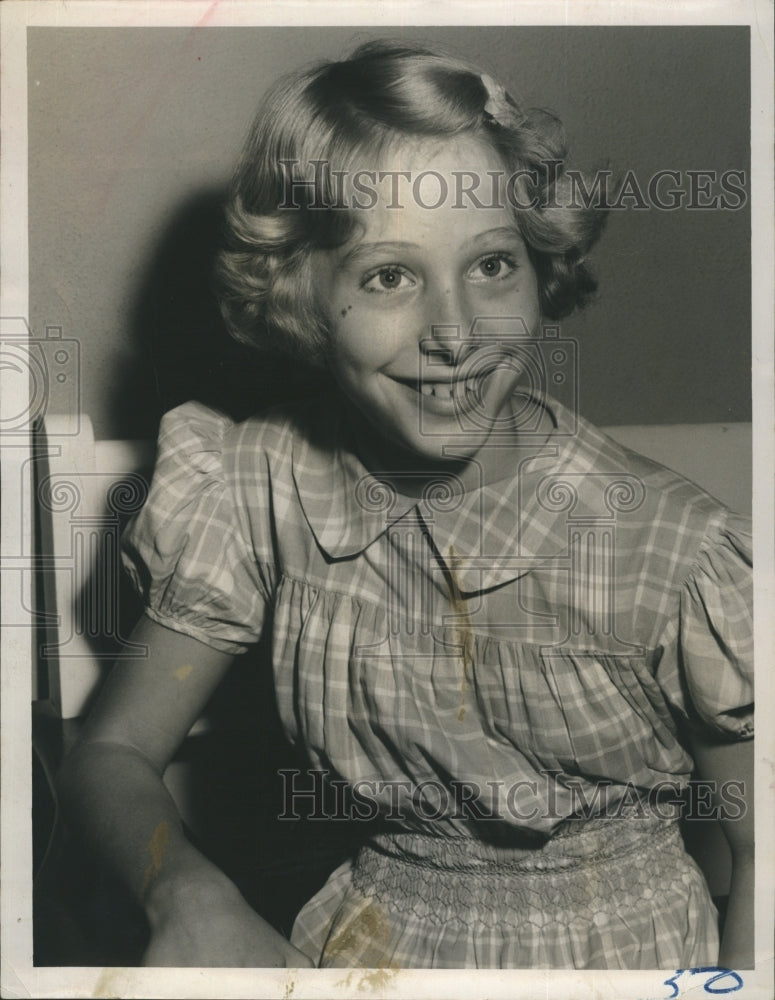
(511, 637)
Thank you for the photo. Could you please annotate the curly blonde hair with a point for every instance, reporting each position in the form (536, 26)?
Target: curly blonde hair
(348, 112)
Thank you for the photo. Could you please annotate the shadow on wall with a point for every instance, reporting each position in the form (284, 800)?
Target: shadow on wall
(181, 347)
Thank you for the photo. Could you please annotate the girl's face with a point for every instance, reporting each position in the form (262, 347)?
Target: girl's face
(428, 308)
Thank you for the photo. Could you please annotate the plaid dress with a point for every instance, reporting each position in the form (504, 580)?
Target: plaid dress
(503, 673)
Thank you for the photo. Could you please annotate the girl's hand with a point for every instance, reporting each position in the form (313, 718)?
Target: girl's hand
(222, 931)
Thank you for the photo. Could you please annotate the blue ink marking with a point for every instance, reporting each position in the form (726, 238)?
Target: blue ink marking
(672, 982)
(721, 974)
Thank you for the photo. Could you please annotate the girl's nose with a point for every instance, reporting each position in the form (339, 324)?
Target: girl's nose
(448, 324)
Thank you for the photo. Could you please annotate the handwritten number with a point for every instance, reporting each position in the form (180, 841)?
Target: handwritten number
(672, 982)
(721, 975)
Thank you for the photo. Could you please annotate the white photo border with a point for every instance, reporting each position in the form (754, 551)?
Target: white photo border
(19, 977)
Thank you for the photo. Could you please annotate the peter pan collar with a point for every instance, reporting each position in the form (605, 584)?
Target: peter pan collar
(487, 536)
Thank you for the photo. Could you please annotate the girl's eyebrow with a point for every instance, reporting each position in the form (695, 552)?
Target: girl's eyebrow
(365, 249)
(398, 246)
(499, 233)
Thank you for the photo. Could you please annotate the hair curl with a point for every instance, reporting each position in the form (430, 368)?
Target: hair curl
(344, 113)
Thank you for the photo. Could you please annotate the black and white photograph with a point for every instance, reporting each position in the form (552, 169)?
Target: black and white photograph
(387, 455)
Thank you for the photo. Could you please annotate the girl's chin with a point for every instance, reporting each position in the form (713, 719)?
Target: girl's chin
(432, 454)
(386, 444)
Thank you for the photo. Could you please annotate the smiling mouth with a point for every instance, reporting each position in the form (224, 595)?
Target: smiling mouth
(454, 389)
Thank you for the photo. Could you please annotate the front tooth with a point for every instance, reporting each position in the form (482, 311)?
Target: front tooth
(441, 389)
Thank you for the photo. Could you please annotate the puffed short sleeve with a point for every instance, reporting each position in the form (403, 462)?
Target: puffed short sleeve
(185, 551)
(707, 665)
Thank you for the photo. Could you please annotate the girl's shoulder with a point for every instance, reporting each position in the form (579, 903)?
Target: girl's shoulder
(661, 507)
(198, 433)
(604, 453)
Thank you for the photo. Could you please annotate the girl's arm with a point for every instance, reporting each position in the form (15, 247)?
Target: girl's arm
(111, 790)
(733, 762)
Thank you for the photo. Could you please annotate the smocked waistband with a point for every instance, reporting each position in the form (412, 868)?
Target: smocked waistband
(579, 875)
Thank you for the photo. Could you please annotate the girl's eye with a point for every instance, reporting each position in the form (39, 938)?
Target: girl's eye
(494, 265)
(387, 279)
